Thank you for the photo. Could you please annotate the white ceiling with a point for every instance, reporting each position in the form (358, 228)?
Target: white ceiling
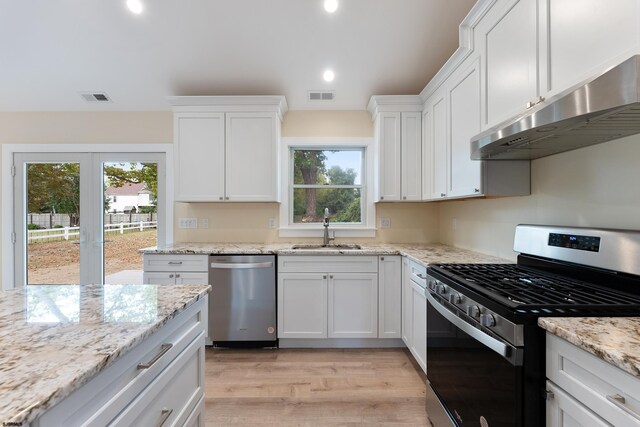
(51, 50)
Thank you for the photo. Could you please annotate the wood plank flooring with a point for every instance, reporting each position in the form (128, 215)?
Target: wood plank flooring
(315, 387)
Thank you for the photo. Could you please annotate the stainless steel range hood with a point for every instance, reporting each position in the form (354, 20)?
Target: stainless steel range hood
(604, 108)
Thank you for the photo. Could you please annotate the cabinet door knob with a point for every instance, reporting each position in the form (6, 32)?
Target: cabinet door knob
(226, 198)
(442, 194)
(381, 198)
(221, 198)
(171, 276)
(177, 275)
(476, 190)
(404, 197)
(331, 276)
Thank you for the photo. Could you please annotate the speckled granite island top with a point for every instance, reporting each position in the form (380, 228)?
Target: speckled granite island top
(613, 339)
(425, 254)
(55, 338)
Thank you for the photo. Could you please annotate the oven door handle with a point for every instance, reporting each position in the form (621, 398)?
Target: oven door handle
(494, 344)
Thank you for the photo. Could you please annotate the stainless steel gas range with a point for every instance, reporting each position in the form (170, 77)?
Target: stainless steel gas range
(489, 371)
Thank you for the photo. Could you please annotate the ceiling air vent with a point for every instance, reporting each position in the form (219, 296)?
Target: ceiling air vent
(95, 97)
(319, 95)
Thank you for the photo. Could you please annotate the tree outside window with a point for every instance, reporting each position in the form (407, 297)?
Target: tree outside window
(327, 178)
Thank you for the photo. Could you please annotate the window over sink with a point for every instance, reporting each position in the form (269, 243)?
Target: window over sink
(328, 178)
(327, 173)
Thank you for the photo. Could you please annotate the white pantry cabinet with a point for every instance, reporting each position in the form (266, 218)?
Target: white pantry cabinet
(160, 381)
(226, 148)
(583, 389)
(169, 269)
(398, 135)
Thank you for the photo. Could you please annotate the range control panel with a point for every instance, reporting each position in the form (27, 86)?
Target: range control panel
(574, 241)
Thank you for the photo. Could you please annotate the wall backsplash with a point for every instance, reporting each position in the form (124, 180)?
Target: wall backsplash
(597, 186)
(249, 222)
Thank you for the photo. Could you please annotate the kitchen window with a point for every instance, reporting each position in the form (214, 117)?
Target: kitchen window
(329, 176)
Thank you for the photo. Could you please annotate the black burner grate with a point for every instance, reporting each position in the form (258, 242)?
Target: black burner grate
(531, 290)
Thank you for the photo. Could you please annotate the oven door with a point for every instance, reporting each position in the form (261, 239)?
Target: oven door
(477, 376)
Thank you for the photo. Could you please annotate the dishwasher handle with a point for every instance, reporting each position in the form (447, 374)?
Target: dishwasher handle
(241, 265)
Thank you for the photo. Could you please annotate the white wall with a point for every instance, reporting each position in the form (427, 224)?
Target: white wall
(598, 186)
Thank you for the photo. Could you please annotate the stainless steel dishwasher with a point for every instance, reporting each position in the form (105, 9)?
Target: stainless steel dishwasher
(242, 303)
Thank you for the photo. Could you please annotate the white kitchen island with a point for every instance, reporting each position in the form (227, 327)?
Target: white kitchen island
(102, 354)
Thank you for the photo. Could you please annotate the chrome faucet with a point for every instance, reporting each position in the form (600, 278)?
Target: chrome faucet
(325, 224)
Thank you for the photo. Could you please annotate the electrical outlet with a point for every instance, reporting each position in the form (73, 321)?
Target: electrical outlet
(385, 222)
(204, 222)
(272, 223)
(187, 222)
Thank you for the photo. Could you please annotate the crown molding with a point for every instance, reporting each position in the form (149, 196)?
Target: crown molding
(276, 103)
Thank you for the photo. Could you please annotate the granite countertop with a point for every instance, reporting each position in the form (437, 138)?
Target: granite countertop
(613, 339)
(422, 253)
(55, 338)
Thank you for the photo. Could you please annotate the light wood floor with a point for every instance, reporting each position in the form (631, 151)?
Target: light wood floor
(372, 387)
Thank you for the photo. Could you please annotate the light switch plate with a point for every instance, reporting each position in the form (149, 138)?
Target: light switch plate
(272, 223)
(204, 222)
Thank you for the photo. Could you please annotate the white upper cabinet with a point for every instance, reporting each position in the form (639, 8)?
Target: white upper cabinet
(585, 38)
(199, 136)
(434, 148)
(464, 175)
(252, 157)
(226, 148)
(509, 46)
(398, 134)
(535, 49)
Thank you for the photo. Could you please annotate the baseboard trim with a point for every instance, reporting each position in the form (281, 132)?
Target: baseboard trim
(341, 343)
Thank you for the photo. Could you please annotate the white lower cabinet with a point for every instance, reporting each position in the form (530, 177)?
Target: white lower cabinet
(419, 325)
(302, 305)
(414, 311)
(340, 296)
(158, 382)
(353, 305)
(584, 390)
(169, 269)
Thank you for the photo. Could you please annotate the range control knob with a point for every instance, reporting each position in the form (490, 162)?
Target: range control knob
(473, 311)
(432, 285)
(455, 298)
(487, 320)
(441, 289)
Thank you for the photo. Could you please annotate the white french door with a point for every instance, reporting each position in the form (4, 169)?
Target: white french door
(68, 189)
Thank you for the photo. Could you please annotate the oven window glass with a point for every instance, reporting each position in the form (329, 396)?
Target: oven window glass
(471, 380)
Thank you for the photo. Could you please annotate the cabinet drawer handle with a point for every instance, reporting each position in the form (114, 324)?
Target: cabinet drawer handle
(163, 349)
(175, 262)
(422, 276)
(166, 413)
(620, 402)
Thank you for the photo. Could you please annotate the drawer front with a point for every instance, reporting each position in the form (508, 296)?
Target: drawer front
(154, 262)
(328, 263)
(173, 395)
(593, 382)
(159, 278)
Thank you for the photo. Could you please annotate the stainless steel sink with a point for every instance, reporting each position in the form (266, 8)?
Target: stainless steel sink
(327, 247)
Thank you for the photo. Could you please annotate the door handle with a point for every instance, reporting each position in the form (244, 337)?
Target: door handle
(241, 265)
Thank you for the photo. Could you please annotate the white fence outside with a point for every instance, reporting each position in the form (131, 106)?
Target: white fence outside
(73, 233)
(46, 220)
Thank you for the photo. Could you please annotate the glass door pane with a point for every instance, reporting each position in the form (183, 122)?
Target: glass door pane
(52, 225)
(130, 219)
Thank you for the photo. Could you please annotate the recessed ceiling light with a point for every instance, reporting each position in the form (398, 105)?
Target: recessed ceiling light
(135, 6)
(330, 5)
(328, 76)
